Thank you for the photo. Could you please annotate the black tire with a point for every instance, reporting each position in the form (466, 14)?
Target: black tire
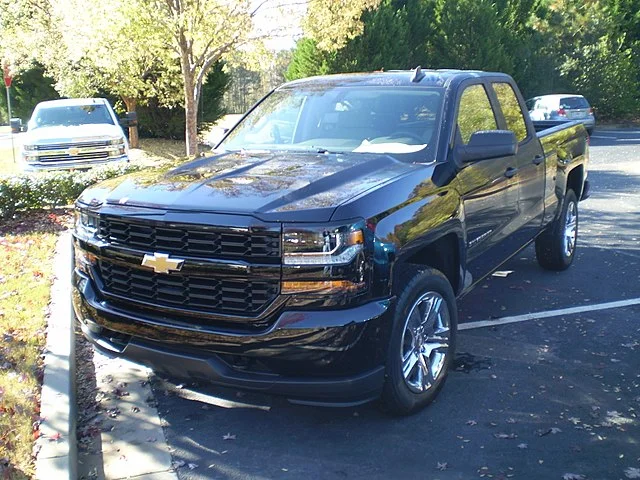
(424, 289)
(553, 248)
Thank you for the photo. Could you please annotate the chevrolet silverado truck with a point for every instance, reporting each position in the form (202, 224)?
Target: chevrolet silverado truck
(73, 133)
(318, 253)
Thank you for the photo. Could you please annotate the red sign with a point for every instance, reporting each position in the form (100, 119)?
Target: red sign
(7, 75)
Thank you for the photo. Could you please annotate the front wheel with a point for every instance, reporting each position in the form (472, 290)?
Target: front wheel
(556, 247)
(422, 343)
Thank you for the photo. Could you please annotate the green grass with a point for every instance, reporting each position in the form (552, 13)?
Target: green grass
(26, 249)
(7, 165)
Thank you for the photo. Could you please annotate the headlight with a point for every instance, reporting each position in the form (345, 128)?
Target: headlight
(313, 245)
(117, 141)
(325, 260)
(29, 148)
(86, 223)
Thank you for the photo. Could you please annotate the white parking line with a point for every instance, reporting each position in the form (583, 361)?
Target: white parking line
(548, 314)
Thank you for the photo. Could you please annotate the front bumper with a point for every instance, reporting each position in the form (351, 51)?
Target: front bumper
(333, 357)
(73, 164)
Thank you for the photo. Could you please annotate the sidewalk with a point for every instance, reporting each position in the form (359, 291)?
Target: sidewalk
(128, 431)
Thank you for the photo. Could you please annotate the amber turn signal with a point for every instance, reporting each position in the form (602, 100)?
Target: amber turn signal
(329, 286)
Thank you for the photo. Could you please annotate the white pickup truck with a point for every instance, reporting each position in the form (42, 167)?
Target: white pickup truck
(73, 133)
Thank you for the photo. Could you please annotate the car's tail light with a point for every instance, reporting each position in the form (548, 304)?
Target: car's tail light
(590, 111)
(562, 112)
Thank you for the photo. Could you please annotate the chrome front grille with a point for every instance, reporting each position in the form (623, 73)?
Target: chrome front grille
(63, 157)
(65, 146)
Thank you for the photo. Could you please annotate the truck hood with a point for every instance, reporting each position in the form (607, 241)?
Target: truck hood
(72, 134)
(273, 186)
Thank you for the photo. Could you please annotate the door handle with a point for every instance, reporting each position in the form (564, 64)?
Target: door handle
(510, 172)
(538, 159)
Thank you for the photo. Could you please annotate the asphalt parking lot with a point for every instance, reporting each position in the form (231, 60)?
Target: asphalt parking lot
(544, 398)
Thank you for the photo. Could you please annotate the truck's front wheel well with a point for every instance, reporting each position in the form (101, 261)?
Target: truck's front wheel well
(443, 255)
(575, 180)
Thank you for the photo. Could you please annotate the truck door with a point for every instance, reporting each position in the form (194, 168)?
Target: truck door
(529, 162)
(489, 189)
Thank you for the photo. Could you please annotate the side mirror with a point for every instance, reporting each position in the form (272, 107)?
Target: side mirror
(16, 125)
(216, 135)
(129, 120)
(487, 144)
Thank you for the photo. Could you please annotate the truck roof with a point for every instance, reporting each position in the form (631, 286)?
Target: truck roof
(72, 102)
(422, 77)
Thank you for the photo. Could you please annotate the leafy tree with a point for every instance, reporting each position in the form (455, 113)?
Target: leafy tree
(110, 58)
(592, 54)
(28, 89)
(308, 60)
(383, 44)
(200, 33)
(332, 23)
(212, 92)
(470, 35)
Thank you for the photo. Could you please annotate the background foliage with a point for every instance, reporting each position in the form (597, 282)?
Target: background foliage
(51, 189)
(590, 47)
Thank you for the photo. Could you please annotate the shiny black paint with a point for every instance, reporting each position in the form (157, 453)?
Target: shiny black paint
(406, 208)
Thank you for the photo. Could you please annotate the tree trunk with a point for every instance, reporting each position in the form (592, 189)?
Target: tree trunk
(191, 115)
(131, 104)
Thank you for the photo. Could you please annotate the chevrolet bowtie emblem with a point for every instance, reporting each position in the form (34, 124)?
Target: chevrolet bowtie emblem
(161, 263)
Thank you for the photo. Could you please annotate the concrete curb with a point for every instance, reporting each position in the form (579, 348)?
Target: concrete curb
(617, 126)
(56, 446)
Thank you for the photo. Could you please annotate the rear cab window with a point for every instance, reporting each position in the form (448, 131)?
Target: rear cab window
(569, 103)
(511, 110)
(474, 112)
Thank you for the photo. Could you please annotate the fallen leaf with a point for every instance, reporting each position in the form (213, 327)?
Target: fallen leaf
(471, 423)
(442, 466)
(509, 436)
(573, 476)
(523, 446)
(502, 273)
(228, 436)
(632, 472)
(55, 437)
(192, 466)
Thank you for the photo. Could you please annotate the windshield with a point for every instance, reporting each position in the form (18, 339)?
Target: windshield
(70, 115)
(387, 119)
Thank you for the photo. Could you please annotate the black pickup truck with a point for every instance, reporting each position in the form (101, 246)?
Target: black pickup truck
(319, 252)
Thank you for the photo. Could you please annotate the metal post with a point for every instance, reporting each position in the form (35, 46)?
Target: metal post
(13, 148)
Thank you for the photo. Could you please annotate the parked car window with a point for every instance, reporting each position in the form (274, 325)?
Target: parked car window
(511, 110)
(475, 112)
(573, 102)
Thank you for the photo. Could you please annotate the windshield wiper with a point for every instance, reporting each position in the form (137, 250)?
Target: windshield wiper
(313, 148)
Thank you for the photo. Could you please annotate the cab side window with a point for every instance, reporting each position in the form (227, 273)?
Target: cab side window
(511, 110)
(475, 112)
